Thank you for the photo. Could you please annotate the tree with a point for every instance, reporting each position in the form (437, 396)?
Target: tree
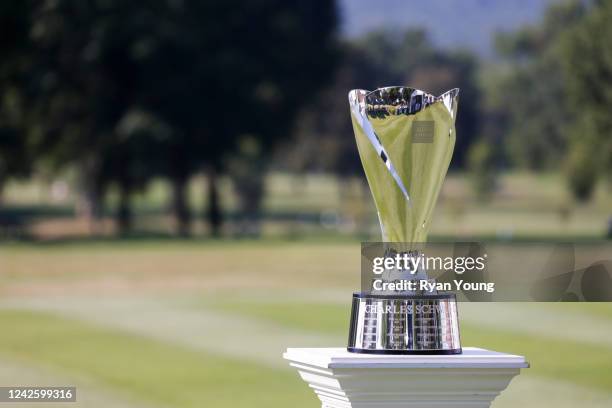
(209, 73)
(81, 83)
(226, 72)
(528, 100)
(14, 155)
(134, 157)
(587, 59)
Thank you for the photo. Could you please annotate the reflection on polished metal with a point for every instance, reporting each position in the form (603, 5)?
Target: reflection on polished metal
(406, 324)
(405, 139)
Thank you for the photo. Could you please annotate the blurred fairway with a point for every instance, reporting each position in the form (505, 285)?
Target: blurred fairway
(203, 324)
(148, 322)
(523, 206)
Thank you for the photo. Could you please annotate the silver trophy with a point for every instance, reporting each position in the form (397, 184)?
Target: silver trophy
(405, 139)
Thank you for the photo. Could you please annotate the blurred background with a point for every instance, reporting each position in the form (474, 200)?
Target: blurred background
(180, 189)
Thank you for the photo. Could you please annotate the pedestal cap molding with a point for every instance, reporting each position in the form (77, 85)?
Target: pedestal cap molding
(336, 357)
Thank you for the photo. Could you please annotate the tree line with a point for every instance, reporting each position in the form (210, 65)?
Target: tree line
(130, 91)
(543, 104)
(550, 96)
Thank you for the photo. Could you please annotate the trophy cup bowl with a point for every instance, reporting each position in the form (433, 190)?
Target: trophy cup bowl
(405, 139)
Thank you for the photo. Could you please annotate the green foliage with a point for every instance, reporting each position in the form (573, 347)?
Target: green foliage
(126, 91)
(482, 168)
(587, 51)
(14, 154)
(581, 171)
(530, 98)
(555, 101)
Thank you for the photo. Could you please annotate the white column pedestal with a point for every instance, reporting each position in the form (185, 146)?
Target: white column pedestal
(349, 380)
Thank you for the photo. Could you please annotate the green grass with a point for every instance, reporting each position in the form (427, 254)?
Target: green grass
(241, 280)
(166, 374)
(261, 263)
(316, 317)
(148, 370)
(602, 309)
(575, 362)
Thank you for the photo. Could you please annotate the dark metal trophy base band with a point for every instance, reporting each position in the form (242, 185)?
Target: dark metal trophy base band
(404, 324)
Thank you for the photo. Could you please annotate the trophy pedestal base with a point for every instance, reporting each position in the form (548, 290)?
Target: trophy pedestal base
(347, 380)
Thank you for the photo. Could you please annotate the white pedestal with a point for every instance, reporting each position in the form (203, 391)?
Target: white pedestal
(349, 380)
